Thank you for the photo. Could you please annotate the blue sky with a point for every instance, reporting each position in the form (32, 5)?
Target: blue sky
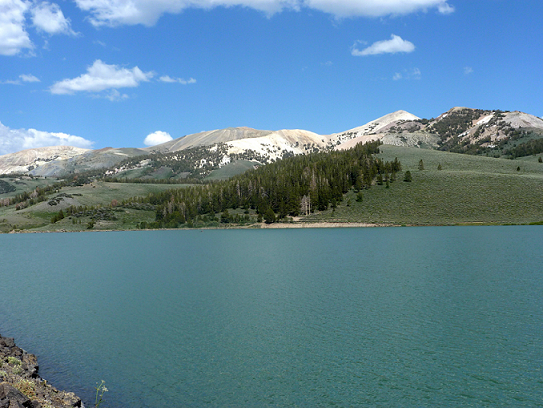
(97, 73)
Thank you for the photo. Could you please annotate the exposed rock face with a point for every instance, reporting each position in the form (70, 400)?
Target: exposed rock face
(22, 387)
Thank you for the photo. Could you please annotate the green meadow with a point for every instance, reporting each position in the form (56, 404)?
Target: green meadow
(467, 190)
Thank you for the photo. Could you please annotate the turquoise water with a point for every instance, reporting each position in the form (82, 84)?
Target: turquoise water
(445, 316)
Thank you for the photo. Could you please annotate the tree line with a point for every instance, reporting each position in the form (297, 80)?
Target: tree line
(288, 187)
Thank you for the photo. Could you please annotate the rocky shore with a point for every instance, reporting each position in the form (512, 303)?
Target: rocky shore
(22, 387)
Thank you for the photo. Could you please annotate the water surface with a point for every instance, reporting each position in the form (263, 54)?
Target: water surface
(443, 316)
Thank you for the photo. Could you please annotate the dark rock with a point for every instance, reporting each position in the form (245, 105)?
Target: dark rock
(15, 397)
(43, 394)
(7, 342)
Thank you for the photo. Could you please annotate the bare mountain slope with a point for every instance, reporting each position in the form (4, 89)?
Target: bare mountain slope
(375, 126)
(208, 138)
(26, 160)
(461, 130)
(276, 144)
(88, 160)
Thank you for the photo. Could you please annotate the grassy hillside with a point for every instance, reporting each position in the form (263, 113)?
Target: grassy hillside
(231, 170)
(468, 189)
(98, 194)
(23, 183)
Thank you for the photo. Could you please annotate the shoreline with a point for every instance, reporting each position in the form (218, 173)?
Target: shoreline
(284, 225)
(22, 386)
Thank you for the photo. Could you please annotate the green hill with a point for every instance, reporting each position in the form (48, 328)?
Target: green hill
(446, 189)
(468, 189)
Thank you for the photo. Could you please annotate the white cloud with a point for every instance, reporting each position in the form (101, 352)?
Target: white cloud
(23, 78)
(408, 74)
(147, 12)
(48, 17)
(157, 137)
(445, 8)
(29, 78)
(14, 140)
(373, 8)
(101, 76)
(13, 36)
(167, 78)
(115, 96)
(468, 70)
(392, 46)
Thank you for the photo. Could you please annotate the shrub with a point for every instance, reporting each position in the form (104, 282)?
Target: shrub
(14, 361)
(27, 387)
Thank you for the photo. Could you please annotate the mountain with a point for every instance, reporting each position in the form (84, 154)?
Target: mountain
(27, 160)
(86, 161)
(462, 130)
(208, 138)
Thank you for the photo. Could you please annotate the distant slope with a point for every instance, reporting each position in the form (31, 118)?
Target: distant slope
(208, 138)
(459, 130)
(492, 133)
(26, 160)
(376, 126)
(89, 160)
(276, 145)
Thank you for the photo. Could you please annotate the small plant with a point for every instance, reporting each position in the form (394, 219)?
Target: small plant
(100, 391)
(14, 361)
(18, 370)
(27, 387)
(3, 374)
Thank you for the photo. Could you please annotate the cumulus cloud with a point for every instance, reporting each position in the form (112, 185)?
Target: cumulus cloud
(49, 18)
(14, 140)
(100, 77)
(44, 16)
(13, 36)
(157, 137)
(147, 12)
(392, 46)
(167, 78)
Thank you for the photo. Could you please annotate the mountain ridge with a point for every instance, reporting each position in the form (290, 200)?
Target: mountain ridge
(460, 129)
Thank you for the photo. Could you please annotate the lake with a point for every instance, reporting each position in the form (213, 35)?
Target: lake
(433, 316)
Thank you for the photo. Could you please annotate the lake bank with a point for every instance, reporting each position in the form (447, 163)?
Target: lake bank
(21, 384)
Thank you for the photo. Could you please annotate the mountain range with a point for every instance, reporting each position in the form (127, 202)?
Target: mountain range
(492, 133)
